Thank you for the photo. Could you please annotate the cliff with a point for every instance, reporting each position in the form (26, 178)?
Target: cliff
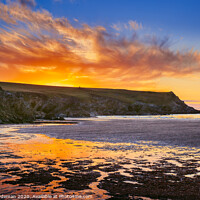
(21, 103)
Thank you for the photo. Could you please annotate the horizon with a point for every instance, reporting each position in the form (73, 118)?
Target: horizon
(65, 86)
(135, 45)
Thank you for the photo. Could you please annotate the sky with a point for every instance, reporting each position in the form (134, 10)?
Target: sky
(150, 45)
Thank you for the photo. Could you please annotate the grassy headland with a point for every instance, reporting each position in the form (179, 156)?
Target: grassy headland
(21, 103)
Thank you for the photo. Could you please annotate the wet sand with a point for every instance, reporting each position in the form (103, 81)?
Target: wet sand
(181, 132)
(114, 159)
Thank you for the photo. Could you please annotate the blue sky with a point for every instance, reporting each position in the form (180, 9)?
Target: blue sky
(177, 19)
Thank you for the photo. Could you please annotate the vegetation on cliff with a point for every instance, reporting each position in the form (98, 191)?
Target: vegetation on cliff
(21, 103)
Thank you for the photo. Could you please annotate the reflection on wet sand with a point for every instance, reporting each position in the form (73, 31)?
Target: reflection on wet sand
(36, 164)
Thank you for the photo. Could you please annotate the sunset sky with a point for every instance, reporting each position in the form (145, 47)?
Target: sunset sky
(132, 44)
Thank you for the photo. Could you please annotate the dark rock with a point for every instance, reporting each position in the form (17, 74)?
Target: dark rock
(83, 180)
(39, 177)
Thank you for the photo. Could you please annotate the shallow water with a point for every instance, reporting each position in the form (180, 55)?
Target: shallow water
(37, 164)
(181, 132)
(172, 116)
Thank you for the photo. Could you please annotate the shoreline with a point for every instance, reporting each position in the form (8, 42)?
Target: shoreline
(75, 120)
(180, 132)
(104, 170)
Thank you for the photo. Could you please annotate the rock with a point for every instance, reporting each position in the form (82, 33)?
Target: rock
(25, 107)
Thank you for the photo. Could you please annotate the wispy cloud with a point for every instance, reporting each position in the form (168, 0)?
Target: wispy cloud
(134, 25)
(130, 25)
(34, 44)
(30, 3)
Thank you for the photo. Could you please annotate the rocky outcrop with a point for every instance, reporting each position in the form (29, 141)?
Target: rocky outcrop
(25, 107)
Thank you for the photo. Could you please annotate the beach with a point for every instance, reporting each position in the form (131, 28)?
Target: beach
(102, 158)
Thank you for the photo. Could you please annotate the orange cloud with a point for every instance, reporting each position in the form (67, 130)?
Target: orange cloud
(35, 47)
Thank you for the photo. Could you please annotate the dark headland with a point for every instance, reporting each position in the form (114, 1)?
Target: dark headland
(22, 103)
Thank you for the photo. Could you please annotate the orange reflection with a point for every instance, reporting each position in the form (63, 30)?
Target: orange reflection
(34, 164)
